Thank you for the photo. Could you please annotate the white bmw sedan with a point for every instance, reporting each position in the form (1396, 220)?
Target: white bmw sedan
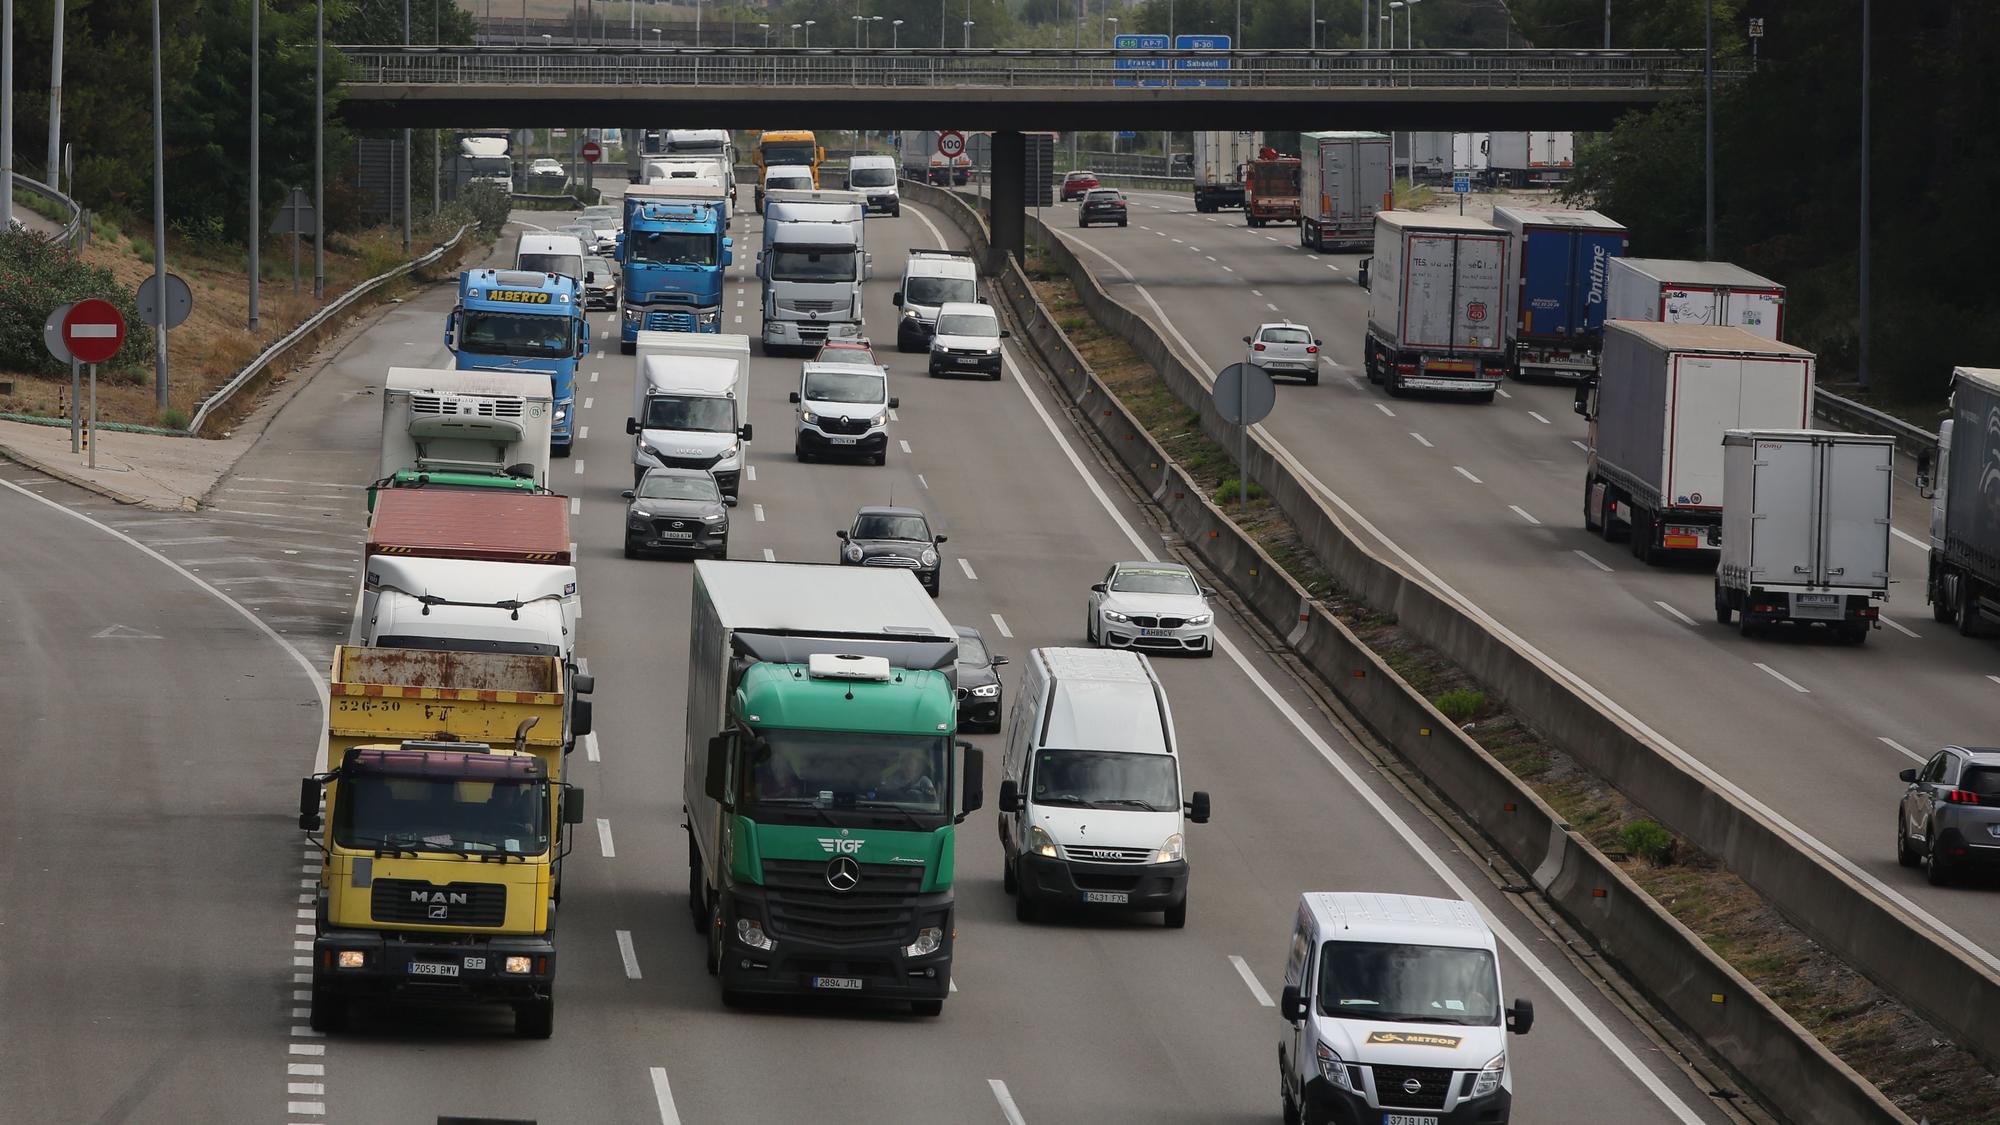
(1157, 607)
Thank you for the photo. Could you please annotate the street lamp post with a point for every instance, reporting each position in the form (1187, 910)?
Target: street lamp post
(1708, 135)
(895, 34)
(794, 40)
(656, 36)
(766, 28)
(1410, 24)
(968, 35)
(1113, 21)
(1391, 17)
(941, 4)
(1861, 356)
(868, 33)
(697, 23)
(858, 21)
(319, 151)
(1319, 32)
(809, 32)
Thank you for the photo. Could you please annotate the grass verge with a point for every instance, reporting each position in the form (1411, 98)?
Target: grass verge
(1907, 1058)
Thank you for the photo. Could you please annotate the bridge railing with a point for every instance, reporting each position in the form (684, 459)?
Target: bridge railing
(921, 68)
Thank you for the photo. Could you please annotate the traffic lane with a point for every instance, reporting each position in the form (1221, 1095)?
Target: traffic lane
(1503, 490)
(148, 822)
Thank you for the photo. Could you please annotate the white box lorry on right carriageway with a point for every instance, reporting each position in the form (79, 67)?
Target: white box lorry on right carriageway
(1963, 583)
(1658, 408)
(1805, 530)
(1680, 292)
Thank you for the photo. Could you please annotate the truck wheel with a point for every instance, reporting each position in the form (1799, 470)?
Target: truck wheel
(927, 1007)
(329, 1010)
(1642, 536)
(1855, 634)
(697, 910)
(1176, 916)
(1940, 596)
(1906, 855)
(1967, 604)
(627, 347)
(1723, 610)
(535, 1019)
(560, 451)
(715, 940)
(1590, 523)
(1392, 381)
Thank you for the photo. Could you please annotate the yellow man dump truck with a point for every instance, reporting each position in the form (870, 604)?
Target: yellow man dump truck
(444, 827)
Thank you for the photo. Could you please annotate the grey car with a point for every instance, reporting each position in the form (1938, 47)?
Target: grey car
(678, 511)
(899, 537)
(1950, 814)
(978, 683)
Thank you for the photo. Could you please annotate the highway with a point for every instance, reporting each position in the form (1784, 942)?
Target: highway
(1485, 502)
(1073, 1020)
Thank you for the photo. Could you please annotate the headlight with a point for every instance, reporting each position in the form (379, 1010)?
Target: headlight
(1040, 843)
(1114, 615)
(716, 518)
(562, 411)
(910, 314)
(928, 558)
(647, 449)
(881, 419)
(632, 315)
(518, 965)
(929, 940)
(1490, 1076)
(808, 416)
(708, 318)
(637, 519)
(1198, 619)
(1173, 851)
(752, 934)
(1332, 1068)
(352, 959)
(852, 552)
(728, 454)
(986, 691)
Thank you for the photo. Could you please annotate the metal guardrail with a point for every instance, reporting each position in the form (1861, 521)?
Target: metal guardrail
(1860, 418)
(307, 327)
(920, 68)
(73, 228)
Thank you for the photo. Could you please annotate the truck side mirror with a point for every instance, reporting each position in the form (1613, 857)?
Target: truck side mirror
(795, 398)
(580, 718)
(1010, 797)
(1586, 399)
(631, 425)
(572, 803)
(1924, 486)
(1198, 807)
(583, 683)
(896, 299)
(1361, 272)
(974, 783)
(1291, 1005)
(717, 781)
(309, 803)
(745, 432)
(451, 330)
(1521, 1017)
(867, 265)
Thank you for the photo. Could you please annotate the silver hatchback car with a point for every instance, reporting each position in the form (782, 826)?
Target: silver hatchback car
(1950, 814)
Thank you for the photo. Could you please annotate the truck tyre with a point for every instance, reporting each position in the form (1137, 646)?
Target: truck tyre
(1723, 610)
(1643, 525)
(715, 940)
(697, 908)
(927, 1007)
(329, 1010)
(535, 1019)
(1590, 522)
(1939, 594)
(1176, 915)
(1855, 634)
(1906, 854)
(627, 347)
(1967, 604)
(1487, 397)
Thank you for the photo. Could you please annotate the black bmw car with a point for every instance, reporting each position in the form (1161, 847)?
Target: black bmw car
(978, 683)
(898, 537)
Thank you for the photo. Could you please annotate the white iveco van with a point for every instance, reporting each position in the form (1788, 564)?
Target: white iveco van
(1393, 1014)
(1090, 790)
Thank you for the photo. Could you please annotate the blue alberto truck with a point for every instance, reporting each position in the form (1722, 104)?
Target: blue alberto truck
(672, 251)
(515, 320)
(1558, 294)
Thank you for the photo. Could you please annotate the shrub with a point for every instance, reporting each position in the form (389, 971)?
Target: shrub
(1226, 492)
(173, 417)
(489, 205)
(1460, 705)
(1648, 841)
(1073, 323)
(36, 275)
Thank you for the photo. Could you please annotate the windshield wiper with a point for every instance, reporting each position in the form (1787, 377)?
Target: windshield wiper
(784, 805)
(1075, 802)
(915, 824)
(1147, 805)
(1428, 1019)
(382, 846)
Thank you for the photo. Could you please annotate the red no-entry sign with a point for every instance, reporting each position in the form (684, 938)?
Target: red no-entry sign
(93, 330)
(591, 152)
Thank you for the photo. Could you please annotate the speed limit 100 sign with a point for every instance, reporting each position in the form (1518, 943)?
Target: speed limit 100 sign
(951, 143)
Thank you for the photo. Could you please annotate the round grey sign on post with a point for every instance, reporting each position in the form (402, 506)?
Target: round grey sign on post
(179, 302)
(1242, 385)
(52, 336)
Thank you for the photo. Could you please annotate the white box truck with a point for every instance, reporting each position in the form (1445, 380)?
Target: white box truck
(1437, 304)
(1664, 395)
(1344, 179)
(1530, 159)
(1964, 578)
(471, 428)
(1683, 292)
(691, 405)
(1805, 529)
(1219, 158)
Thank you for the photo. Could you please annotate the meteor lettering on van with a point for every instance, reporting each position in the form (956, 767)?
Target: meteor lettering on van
(1415, 1039)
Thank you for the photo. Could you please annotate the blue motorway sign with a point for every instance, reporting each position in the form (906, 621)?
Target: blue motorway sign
(1202, 43)
(1461, 182)
(1139, 43)
(1199, 42)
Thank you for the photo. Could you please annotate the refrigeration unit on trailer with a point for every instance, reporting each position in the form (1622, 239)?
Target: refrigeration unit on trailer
(1805, 529)
(1674, 291)
(1664, 395)
(1560, 265)
(464, 429)
(1437, 304)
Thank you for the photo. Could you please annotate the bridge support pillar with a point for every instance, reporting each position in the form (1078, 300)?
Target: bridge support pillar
(1007, 219)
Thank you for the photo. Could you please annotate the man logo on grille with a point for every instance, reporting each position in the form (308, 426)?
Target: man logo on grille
(843, 874)
(441, 912)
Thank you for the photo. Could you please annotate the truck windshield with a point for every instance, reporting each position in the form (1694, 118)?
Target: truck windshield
(865, 387)
(568, 265)
(706, 415)
(1103, 779)
(440, 814)
(495, 333)
(790, 152)
(669, 248)
(788, 183)
(809, 769)
(833, 263)
(871, 177)
(934, 291)
(489, 167)
(1362, 980)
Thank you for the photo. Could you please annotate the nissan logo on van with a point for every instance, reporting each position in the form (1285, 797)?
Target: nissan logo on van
(1412, 1086)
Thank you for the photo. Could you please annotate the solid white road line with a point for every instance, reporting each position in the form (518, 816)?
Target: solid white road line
(604, 839)
(1008, 1109)
(1467, 474)
(1537, 417)
(1782, 678)
(1384, 408)
(965, 565)
(1250, 978)
(1421, 439)
(664, 1095)
(1675, 613)
(1414, 845)
(1586, 556)
(1900, 748)
(1901, 628)
(1525, 514)
(1000, 623)
(628, 955)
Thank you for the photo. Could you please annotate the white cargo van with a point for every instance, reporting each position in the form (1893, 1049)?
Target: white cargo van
(1393, 1013)
(550, 253)
(875, 178)
(1090, 791)
(843, 411)
(931, 278)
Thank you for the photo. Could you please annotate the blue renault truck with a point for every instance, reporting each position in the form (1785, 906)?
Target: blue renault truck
(672, 253)
(518, 320)
(1561, 262)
